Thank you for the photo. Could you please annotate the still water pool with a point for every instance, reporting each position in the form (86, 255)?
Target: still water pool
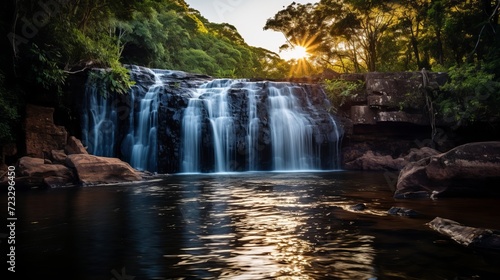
(245, 226)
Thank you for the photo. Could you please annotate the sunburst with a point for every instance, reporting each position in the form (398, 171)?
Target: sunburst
(300, 55)
(296, 53)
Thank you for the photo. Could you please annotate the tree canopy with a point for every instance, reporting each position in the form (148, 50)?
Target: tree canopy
(396, 35)
(458, 37)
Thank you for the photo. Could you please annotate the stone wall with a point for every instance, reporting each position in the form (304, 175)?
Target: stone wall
(42, 135)
(388, 116)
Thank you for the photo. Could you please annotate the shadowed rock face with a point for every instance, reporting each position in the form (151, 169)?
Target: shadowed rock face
(42, 135)
(469, 169)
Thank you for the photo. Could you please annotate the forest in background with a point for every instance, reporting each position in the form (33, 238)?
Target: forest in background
(46, 42)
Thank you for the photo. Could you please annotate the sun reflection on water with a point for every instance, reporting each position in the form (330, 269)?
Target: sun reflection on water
(251, 232)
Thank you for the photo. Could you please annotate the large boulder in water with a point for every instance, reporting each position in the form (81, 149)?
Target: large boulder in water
(99, 170)
(469, 169)
(465, 235)
(40, 173)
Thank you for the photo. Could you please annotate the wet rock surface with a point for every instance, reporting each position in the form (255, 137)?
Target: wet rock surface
(470, 169)
(466, 235)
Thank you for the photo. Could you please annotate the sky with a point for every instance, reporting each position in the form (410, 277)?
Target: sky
(249, 17)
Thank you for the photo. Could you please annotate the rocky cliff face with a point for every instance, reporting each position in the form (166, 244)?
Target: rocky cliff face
(388, 116)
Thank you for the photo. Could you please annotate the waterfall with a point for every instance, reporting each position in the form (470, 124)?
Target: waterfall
(173, 121)
(101, 125)
(213, 96)
(191, 133)
(291, 119)
(253, 128)
(291, 132)
(143, 153)
(99, 121)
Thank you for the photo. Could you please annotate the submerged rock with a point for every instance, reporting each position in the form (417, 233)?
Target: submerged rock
(358, 207)
(401, 211)
(465, 235)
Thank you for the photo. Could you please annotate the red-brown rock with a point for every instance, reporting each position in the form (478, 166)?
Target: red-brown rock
(472, 168)
(465, 235)
(371, 161)
(75, 146)
(100, 170)
(38, 171)
(42, 135)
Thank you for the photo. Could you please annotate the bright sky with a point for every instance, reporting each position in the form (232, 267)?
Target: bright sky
(249, 17)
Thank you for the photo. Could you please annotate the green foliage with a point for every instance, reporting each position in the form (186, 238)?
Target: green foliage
(112, 80)
(397, 35)
(470, 96)
(45, 69)
(341, 91)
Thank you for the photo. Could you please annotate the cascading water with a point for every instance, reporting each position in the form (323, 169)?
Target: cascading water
(213, 96)
(101, 126)
(191, 134)
(99, 121)
(294, 143)
(253, 128)
(143, 154)
(291, 132)
(172, 121)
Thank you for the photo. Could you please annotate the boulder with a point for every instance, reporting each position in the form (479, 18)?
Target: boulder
(99, 170)
(38, 171)
(75, 146)
(360, 157)
(465, 235)
(401, 211)
(58, 156)
(418, 154)
(372, 161)
(470, 169)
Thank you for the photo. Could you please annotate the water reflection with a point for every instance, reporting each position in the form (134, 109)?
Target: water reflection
(245, 226)
(263, 229)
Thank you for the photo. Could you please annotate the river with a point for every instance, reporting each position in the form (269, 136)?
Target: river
(254, 225)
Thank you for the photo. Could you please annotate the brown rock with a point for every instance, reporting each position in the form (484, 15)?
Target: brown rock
(371, 161)
(465, 235)
(75, 146)
(58, 156)
(99, 170)
(34, 172)
(42, 135)
(418, 154)
(475, 160)
(469, 169)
